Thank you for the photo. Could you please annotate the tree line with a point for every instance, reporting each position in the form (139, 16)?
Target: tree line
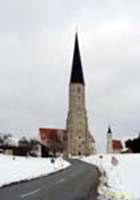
(133, 144)
(24, 146)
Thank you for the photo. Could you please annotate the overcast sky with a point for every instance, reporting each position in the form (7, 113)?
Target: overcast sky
(36, 47)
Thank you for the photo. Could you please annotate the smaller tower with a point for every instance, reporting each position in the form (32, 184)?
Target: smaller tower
(109, 140)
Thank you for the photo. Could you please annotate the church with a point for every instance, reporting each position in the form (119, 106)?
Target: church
(113, 145)
(79, 139)
(76, 139)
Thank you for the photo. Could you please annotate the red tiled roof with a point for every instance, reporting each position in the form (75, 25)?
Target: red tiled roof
(49, 133)
(117, 144)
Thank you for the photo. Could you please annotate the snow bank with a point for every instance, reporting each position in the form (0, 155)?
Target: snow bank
(120, 176)
(23, 168)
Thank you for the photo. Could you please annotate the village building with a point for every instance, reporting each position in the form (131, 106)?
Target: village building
(52, 141)
(117, 146)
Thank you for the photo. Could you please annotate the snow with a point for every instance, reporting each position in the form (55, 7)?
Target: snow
(22, 168)
(120, 176)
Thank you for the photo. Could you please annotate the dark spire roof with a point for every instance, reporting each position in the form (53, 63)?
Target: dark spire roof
(109, 130)
(77, 72)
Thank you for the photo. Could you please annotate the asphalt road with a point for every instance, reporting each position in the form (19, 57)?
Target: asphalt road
(78, 182)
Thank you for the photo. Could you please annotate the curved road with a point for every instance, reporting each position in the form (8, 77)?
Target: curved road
(78, 182)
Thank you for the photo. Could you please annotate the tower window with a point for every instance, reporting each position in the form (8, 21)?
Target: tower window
(79, 153)
(79, 137)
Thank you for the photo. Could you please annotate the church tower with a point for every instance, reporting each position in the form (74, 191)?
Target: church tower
(109, 140)
(78, 136)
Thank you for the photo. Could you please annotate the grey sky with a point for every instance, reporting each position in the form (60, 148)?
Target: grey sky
(36, 46)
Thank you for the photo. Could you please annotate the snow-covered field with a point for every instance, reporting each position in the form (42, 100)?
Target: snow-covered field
(23, 168)
(120, 176)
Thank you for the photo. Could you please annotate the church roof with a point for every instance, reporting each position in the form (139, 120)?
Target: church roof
(117, 144)
(77, 72)
(51, 133)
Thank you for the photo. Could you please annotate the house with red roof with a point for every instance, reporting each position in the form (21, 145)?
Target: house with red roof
(52, 140)
(117, 146)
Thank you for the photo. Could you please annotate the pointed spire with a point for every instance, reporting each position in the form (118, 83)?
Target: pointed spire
(77, 72)
(109, 131)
